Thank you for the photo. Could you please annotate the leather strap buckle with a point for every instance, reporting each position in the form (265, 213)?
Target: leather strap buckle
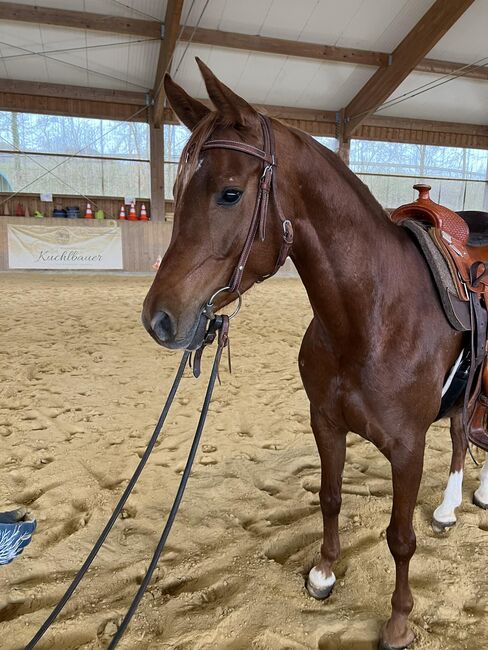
(266, 170)
(287, 231)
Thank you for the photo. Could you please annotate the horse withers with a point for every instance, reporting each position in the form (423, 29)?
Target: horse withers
(379, 348)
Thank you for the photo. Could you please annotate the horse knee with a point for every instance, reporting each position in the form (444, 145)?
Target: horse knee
(402, 545)
(330, 503)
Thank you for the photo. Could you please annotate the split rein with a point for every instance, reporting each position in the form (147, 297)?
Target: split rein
(218, 327)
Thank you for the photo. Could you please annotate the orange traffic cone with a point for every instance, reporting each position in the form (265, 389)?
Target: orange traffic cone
(143, 216)
(88, 213)
(132, 212)
(122, 212)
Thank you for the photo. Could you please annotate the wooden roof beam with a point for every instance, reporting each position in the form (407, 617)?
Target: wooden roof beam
(65, 91)
(32, 90)
(407, 55)
(321, 52)
(81, 101)
(268, 45)
(80, 20)
(73, 106)
(171, 32)
(249, 42)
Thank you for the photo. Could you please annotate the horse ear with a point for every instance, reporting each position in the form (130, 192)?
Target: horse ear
(190, 111)
(233, 109)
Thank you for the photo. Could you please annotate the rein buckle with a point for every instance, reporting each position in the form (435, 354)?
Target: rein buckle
(287, 231)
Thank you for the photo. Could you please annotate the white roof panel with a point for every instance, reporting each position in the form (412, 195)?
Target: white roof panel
(467, 40)
(212, 13)
(383, 24)
(246, 22)
(273, 79)
(105, 60)
(458, 100)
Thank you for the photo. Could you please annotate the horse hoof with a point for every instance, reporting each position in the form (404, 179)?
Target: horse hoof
(385, 646)
(319, 594)
(441, 526)
(409, 637)
(318, 585)
(480, 504)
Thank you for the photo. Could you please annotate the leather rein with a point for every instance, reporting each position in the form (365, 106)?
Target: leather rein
(218, 327)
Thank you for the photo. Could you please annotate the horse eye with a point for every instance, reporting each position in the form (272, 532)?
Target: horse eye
(229, 197)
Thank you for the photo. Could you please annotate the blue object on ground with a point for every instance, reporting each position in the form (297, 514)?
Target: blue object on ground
(16, 532)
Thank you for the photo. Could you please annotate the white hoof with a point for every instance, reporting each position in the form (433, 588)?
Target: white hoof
(442, 526)
(445, 515)
(443, 518)
(319, 585)
(480, 499)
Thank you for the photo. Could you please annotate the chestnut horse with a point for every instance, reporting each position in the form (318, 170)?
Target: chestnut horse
(377, 352)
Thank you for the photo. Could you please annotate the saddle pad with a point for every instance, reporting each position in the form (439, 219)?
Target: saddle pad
(457, 311)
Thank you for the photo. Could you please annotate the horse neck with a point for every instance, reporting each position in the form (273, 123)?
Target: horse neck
(345, 248)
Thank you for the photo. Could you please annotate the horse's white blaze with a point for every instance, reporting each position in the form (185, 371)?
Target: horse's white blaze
(453, 495)
(319, 580)
(481, 493)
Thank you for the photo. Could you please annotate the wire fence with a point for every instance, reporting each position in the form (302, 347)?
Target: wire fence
(89, 175)
(392, 190)
(104, 159)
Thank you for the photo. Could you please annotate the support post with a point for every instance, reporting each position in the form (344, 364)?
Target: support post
(344, 144)
(485, 194)
(343, 150)
(156, 145)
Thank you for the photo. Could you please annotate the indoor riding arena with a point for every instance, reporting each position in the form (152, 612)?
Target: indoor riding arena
(208, 206)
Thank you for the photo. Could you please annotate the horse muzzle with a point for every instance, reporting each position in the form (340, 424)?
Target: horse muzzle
(163, 328)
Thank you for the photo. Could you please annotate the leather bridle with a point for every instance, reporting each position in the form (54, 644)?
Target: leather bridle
(267, 187)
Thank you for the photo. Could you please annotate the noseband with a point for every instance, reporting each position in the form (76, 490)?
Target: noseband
(267, 187)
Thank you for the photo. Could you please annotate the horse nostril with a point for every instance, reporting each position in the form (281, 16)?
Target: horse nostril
(162, 326)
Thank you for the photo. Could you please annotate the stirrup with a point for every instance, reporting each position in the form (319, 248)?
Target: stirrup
(16, 530)
(477, 428)
(479, 438)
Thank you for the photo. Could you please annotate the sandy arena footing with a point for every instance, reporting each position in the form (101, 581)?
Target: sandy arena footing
(81, 386)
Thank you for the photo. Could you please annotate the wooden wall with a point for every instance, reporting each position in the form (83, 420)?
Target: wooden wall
(142, 241)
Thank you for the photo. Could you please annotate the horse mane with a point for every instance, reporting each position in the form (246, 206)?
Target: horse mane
(190, 158)
(361, 190)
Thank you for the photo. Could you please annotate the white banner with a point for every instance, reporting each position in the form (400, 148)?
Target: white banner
(64, 247)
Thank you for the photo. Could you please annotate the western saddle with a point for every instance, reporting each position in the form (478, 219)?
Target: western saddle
(466, 256)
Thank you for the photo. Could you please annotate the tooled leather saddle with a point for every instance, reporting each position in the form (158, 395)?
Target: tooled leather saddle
(445, 234)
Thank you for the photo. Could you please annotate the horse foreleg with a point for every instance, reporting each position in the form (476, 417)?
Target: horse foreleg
(331, 444)
(445, 515)
(480, 497)
(406, 474)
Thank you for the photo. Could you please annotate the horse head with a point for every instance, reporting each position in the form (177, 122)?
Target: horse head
(217, 192)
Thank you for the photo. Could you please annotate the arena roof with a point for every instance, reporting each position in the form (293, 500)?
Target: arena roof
(312, 55)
